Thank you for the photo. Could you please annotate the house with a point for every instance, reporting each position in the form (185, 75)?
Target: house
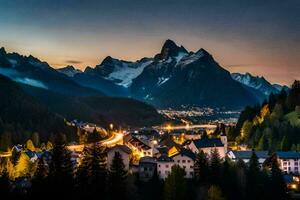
(186, 160)
(164, 165)
(289, 161)
(246, 155)
(124, 151)
(139, 147)
(207, 145)
(147, 168)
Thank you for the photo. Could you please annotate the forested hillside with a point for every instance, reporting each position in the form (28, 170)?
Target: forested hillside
(274, 125)
(22, 116)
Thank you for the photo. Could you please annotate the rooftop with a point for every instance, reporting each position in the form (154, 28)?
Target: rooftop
(288, 154)
(186, 152)
(208, 142)
(248, 154)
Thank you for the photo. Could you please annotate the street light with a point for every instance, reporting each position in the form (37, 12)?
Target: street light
(111, 126)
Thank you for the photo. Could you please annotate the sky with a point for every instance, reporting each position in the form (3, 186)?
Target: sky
(257, 36)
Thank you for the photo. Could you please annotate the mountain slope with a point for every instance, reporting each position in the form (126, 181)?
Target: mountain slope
(21, 115)
(258, 83)
(31, 71)
(98, 109)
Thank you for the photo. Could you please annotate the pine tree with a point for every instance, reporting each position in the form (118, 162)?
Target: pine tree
(278, 186)
(201, 168)
(61, 168)
(117, 178)
(253, 178)
(284, 144)
(215, 193)
(4, 184)
(175, 184)
(215, 167)
(155, 186)
(39, 180)
(92, 171)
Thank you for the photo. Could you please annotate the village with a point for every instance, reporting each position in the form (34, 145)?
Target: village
(147, 151)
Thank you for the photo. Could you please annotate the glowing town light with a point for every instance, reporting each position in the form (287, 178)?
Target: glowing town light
(111, 126)
(169, 127)
(294, 186)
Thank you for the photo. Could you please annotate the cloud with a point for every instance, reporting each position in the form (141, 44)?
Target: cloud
(73, 61)
(15, 76)
(32, 82)
(240, 65)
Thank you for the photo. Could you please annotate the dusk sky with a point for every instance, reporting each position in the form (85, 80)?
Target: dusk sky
(258, 36)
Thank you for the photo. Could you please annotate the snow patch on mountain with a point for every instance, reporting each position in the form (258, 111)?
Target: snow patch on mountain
(191, 58)
(126, 73)
(180, 56)
(258, 83)
(162, 80)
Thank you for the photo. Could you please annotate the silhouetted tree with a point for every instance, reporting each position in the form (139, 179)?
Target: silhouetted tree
(201, 168)
(4, 184)
(117, 178)
(61, 169)
(175, 184)
(278, 187)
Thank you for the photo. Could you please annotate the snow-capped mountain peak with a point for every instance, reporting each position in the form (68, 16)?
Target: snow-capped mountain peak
(69, 71)
(170, 49)
(256, 82)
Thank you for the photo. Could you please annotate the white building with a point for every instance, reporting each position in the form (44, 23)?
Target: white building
(139, 147)
(184, 159)
(246, 155)
(207, 145)
(289, 161)
(164, 165)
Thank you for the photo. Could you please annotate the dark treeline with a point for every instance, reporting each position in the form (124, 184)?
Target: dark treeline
(274, 125)
(214, 179)
(22, 117)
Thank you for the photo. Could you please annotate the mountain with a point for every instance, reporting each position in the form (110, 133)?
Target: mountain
(69, 71)
(98, 109)
(112, 76)
(258, 83)
(176, 78)
(76, 96)
(31, 71)
(172, 78)
(281, 87)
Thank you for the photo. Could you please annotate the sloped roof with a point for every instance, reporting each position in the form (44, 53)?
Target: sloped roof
(137, 142)
(164, 158)
(186, 152)
(147, 159)
(248, 154)
(208, 142)
(288, 154)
